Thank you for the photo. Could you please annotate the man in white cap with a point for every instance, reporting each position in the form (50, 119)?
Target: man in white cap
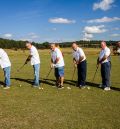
(104, 60)
(6, 66)
(79, 59)
(35, 62)
(57, 62)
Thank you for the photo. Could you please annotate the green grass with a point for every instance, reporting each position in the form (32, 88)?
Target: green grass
(28, 108)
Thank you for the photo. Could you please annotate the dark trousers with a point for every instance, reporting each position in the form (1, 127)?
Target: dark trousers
(82, 70)
(105, 73)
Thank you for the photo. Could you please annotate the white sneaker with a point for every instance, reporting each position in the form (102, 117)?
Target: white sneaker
(6, 88)
(107, 88)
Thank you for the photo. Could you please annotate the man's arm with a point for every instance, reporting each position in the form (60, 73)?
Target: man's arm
(57, 60)
(28, 59)
(81, 58)
(74, 62)
(103, 59)
(78, 62)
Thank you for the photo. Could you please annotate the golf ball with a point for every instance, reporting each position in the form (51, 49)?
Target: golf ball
(68, 88)
(40, 88)
(20, 85)
(88, 88)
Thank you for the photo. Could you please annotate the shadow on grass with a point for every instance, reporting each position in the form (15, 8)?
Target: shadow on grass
(29, 81)
(2, 83)
(69, 82)
(51, 82)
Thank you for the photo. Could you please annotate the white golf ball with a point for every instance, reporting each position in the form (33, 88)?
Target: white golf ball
(40, 88)
(88, 88)
(69, 88)
(20, 85)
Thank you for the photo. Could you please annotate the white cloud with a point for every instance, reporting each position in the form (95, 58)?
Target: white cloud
(104, 19)
(115, 35)
(33, 35)
(61, 21)
(87, 36)
(7, 35)
(103, 5)
(89, 31)
(95, 29)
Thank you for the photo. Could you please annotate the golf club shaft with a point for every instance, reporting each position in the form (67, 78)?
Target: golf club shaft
(73, 73)
(95, 74)
(21, 67)
(48, 73)
(47, 76)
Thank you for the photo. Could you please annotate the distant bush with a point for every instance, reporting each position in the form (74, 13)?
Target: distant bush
(15, 45)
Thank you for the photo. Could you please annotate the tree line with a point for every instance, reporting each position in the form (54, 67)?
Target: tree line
(13, 44)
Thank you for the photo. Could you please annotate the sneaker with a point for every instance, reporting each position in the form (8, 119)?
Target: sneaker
(34, 86)
(60, 87)
(6, 88)
(82, 87)
(56, 84)
(106, 88)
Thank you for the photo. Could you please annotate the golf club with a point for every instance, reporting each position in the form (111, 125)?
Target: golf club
(73, 73)
(47, 76)
(21, 67)
(95, 73)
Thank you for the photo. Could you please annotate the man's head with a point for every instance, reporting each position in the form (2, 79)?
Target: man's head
(103, 44)
(74, 46)
(118, 44)
(28, 45)
(52, 46)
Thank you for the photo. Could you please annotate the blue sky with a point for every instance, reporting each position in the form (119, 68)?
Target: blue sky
(60, 20)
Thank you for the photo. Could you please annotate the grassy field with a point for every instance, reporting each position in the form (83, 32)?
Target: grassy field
(28, 108)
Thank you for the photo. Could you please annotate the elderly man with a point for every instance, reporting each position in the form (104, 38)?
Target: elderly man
(35, 62)
(104, 60)
(6, 66)
(57, 62)
(79, 60)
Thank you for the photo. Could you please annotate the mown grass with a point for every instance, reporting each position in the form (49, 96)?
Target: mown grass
(28, 108)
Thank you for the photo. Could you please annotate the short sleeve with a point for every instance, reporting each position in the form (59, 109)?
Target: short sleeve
(58, 53)
(32, 51)
(107, 52)
(81, 52)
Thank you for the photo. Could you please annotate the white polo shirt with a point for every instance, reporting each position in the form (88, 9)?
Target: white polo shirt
(78, 54)
(105, 52)
(35, 59)
(4, 59)
(57, 54)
